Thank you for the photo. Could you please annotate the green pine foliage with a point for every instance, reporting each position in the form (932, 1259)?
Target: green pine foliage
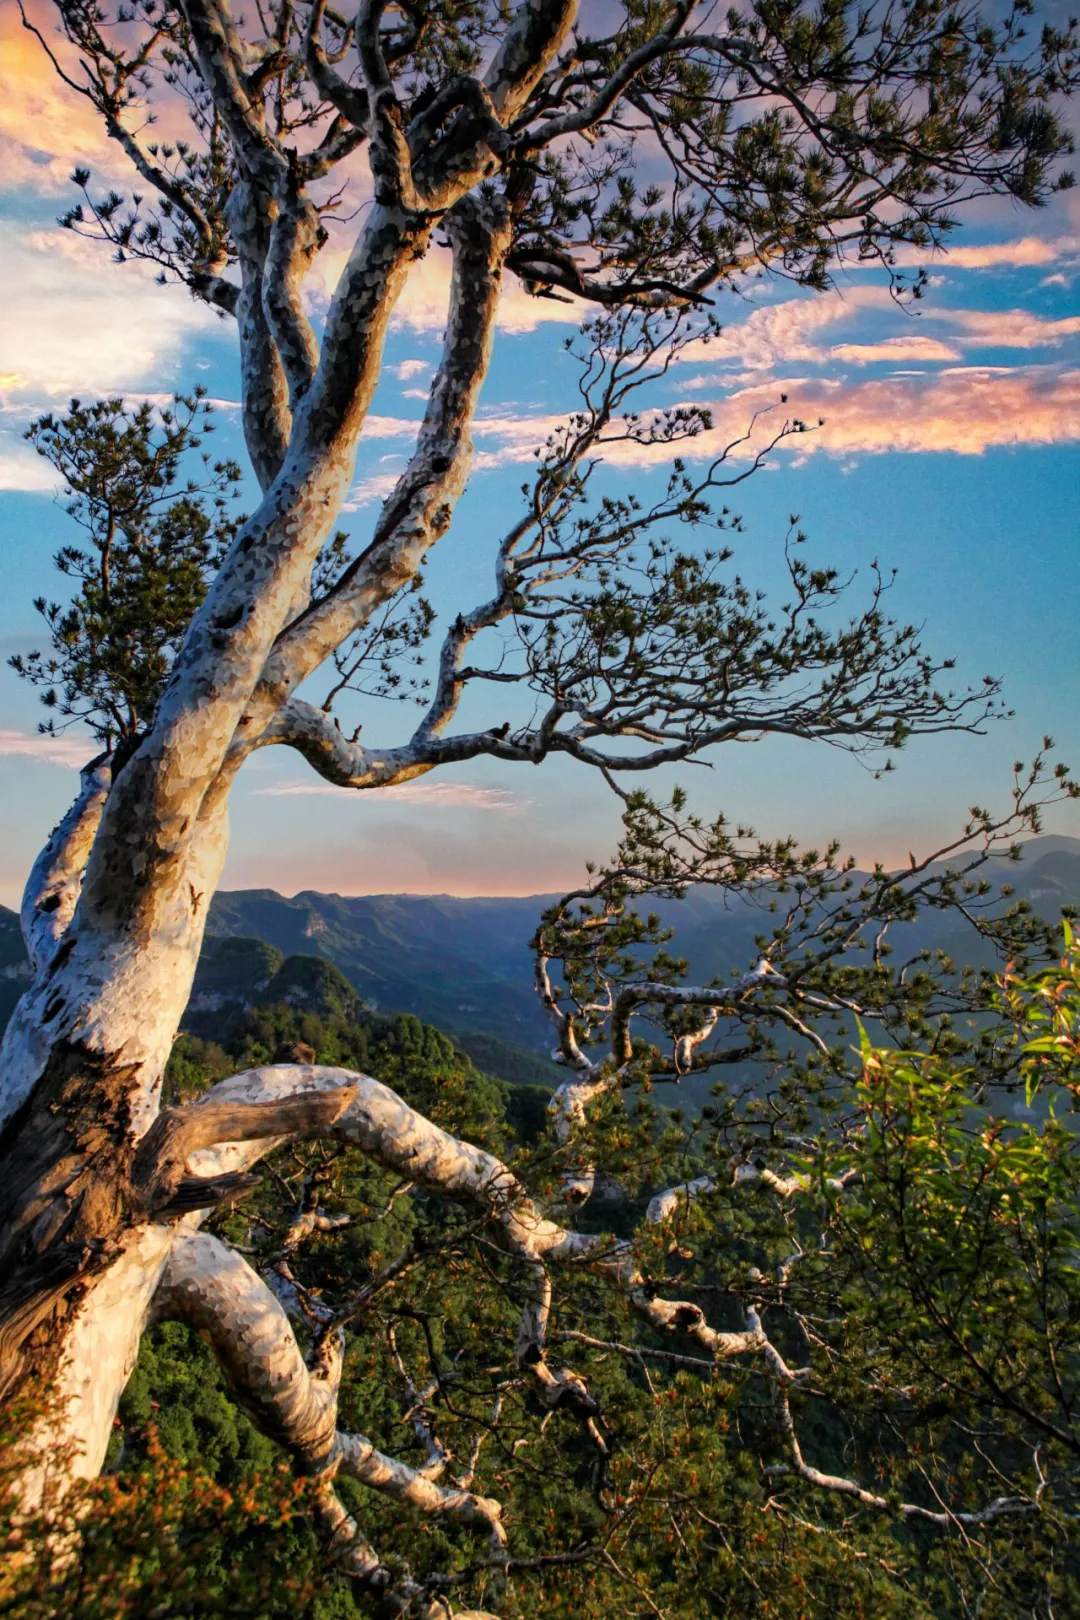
(157, 515)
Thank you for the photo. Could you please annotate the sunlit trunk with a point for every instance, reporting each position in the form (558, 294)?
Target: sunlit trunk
(82, 1065)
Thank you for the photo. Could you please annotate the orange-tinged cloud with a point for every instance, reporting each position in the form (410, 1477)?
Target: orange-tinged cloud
(964, 410)
(787, 333)
(777, 334)
(45, 127)
(1008, 328)
(441, 795)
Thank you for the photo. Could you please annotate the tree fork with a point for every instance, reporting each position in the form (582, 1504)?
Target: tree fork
(75, 1183)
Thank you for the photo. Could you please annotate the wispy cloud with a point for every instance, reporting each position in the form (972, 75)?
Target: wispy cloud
(23, 469)
(411, 368)
(788, 333)
(782, 334)
(391, 427)
(74, 323)
(1022, 252)
(962, 410)
(72, 751)
(441, 795)
(893, 350)
(366, 491)
(1007, 328)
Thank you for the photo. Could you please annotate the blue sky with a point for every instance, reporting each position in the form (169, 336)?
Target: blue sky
(951, 451)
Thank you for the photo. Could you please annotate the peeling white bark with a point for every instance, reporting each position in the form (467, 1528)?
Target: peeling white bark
(100, 1352)
(401, 1140)
(667, 1204)
(118, 991)
(55, 881)
(214, 1290)
(537, 32)
(116, 905)
(414, 517)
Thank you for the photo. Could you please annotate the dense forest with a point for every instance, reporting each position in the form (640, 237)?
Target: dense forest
(651, 1492)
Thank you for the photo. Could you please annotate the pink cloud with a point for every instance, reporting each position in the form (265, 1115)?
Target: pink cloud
(964, 410)
(441, 795)
(893, 349)
(778, 334)
(45, 127)
(1008, 329)
(787, 333)
(1022, 252)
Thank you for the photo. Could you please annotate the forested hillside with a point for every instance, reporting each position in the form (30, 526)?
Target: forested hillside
(657, 1488)
(465, 965)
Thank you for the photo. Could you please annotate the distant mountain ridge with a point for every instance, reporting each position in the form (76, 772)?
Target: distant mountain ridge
(459, 964)
(464, 965)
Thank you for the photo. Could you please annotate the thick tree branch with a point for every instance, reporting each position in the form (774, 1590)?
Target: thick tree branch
(391, 160)
(277, 232)
(295, 238)
(221, 54)
(420, 509)
(177, 1133)
(402, 1140)
(536, 34)
(350, 102)
(214, 1290)
(163, 789)
(264, 387)
(632, 996)
(55, 881)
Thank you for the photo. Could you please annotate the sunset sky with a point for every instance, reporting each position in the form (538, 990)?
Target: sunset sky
(950, 450)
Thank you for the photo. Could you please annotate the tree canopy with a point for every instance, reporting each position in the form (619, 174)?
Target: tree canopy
(814, 1347)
